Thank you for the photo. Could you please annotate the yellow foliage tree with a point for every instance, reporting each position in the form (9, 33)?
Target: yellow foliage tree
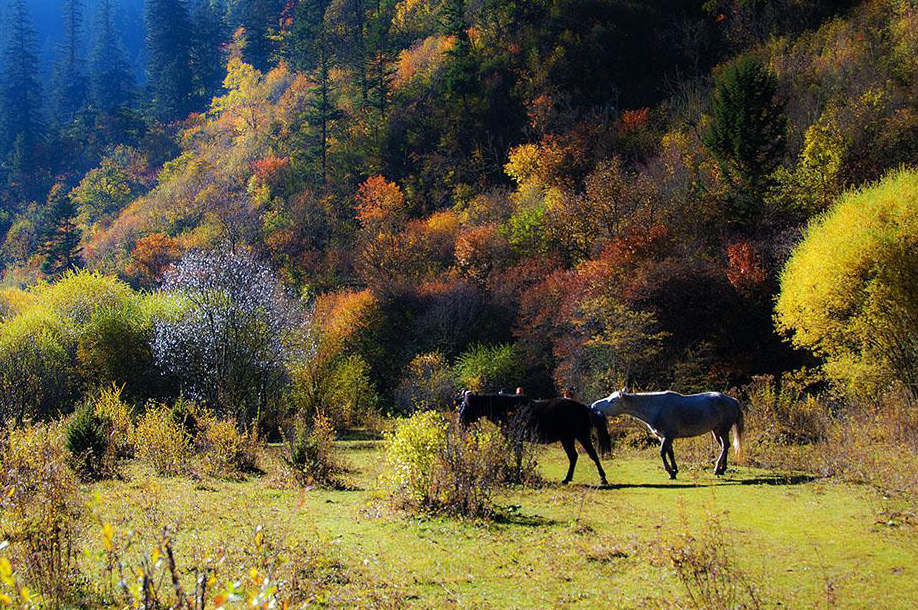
(816, 181)
(849, 292)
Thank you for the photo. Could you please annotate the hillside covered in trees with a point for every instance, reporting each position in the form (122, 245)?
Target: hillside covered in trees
(266, 266)
(483, 193)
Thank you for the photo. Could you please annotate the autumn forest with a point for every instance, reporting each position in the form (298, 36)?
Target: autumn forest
(266, 226)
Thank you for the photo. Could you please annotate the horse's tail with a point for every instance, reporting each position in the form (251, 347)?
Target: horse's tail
(737, 431)
(602, 432)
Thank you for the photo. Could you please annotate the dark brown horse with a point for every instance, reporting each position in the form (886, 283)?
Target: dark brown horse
(544, 421)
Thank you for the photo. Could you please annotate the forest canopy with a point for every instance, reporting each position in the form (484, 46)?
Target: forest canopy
(566, 193)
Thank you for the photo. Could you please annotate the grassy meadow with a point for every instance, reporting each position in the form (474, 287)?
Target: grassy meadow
(797, 540)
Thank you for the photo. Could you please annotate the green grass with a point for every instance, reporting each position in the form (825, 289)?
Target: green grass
(575, 546)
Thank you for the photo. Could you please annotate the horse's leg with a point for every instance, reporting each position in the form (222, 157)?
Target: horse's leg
(672, 460)
(571, 451)
(720, 444)
(663, 455)
(664, 451)
(724, 440)
(587, 443)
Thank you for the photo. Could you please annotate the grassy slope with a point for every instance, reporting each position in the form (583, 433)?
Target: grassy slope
(564, 547)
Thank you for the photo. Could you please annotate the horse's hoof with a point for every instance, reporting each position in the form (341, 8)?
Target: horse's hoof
(672, 476)
(565, 481)
(604, 483)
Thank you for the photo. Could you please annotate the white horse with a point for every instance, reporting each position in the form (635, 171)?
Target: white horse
(670, 415)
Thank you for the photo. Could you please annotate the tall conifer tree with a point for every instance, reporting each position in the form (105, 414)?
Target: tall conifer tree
(381, 55)
(308, 48)
(748, 132)
(261, 19)
(462, 85)
(111, 81)
(69, 80)
(21, 122)
(170, 82)
(60, 243)
(209, 33)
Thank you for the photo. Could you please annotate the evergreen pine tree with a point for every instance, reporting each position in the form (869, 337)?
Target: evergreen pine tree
(69, 81)
(111, 81)
(748, 132)
(260, 19)
(359, 55)
(461, 69)
(170, 81)
(308, 47)
(60, 241)
(22, 125)
(209, 34)
(462, 90)
(381, 54)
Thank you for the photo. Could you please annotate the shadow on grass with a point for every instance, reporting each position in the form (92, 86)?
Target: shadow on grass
(613, 486)
(774, 479)
(254, 471)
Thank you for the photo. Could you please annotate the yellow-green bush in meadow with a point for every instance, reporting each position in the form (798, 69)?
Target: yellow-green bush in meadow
(163, 442)
(434, 463)
(224, 450)
(109, 404)
(849, 292)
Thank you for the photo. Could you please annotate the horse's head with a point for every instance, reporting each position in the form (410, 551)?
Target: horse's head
(468, 412)
(611, 404)
(459, 398)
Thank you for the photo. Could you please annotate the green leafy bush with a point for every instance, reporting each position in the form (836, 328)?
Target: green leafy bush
(489, 368)
(353, 395)
(434, 463)
(849, 292)
(84, 330)
(35, 379)
(339, 388)
(525, 230)
(88, 439)
(78, 295)
(113, 346)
